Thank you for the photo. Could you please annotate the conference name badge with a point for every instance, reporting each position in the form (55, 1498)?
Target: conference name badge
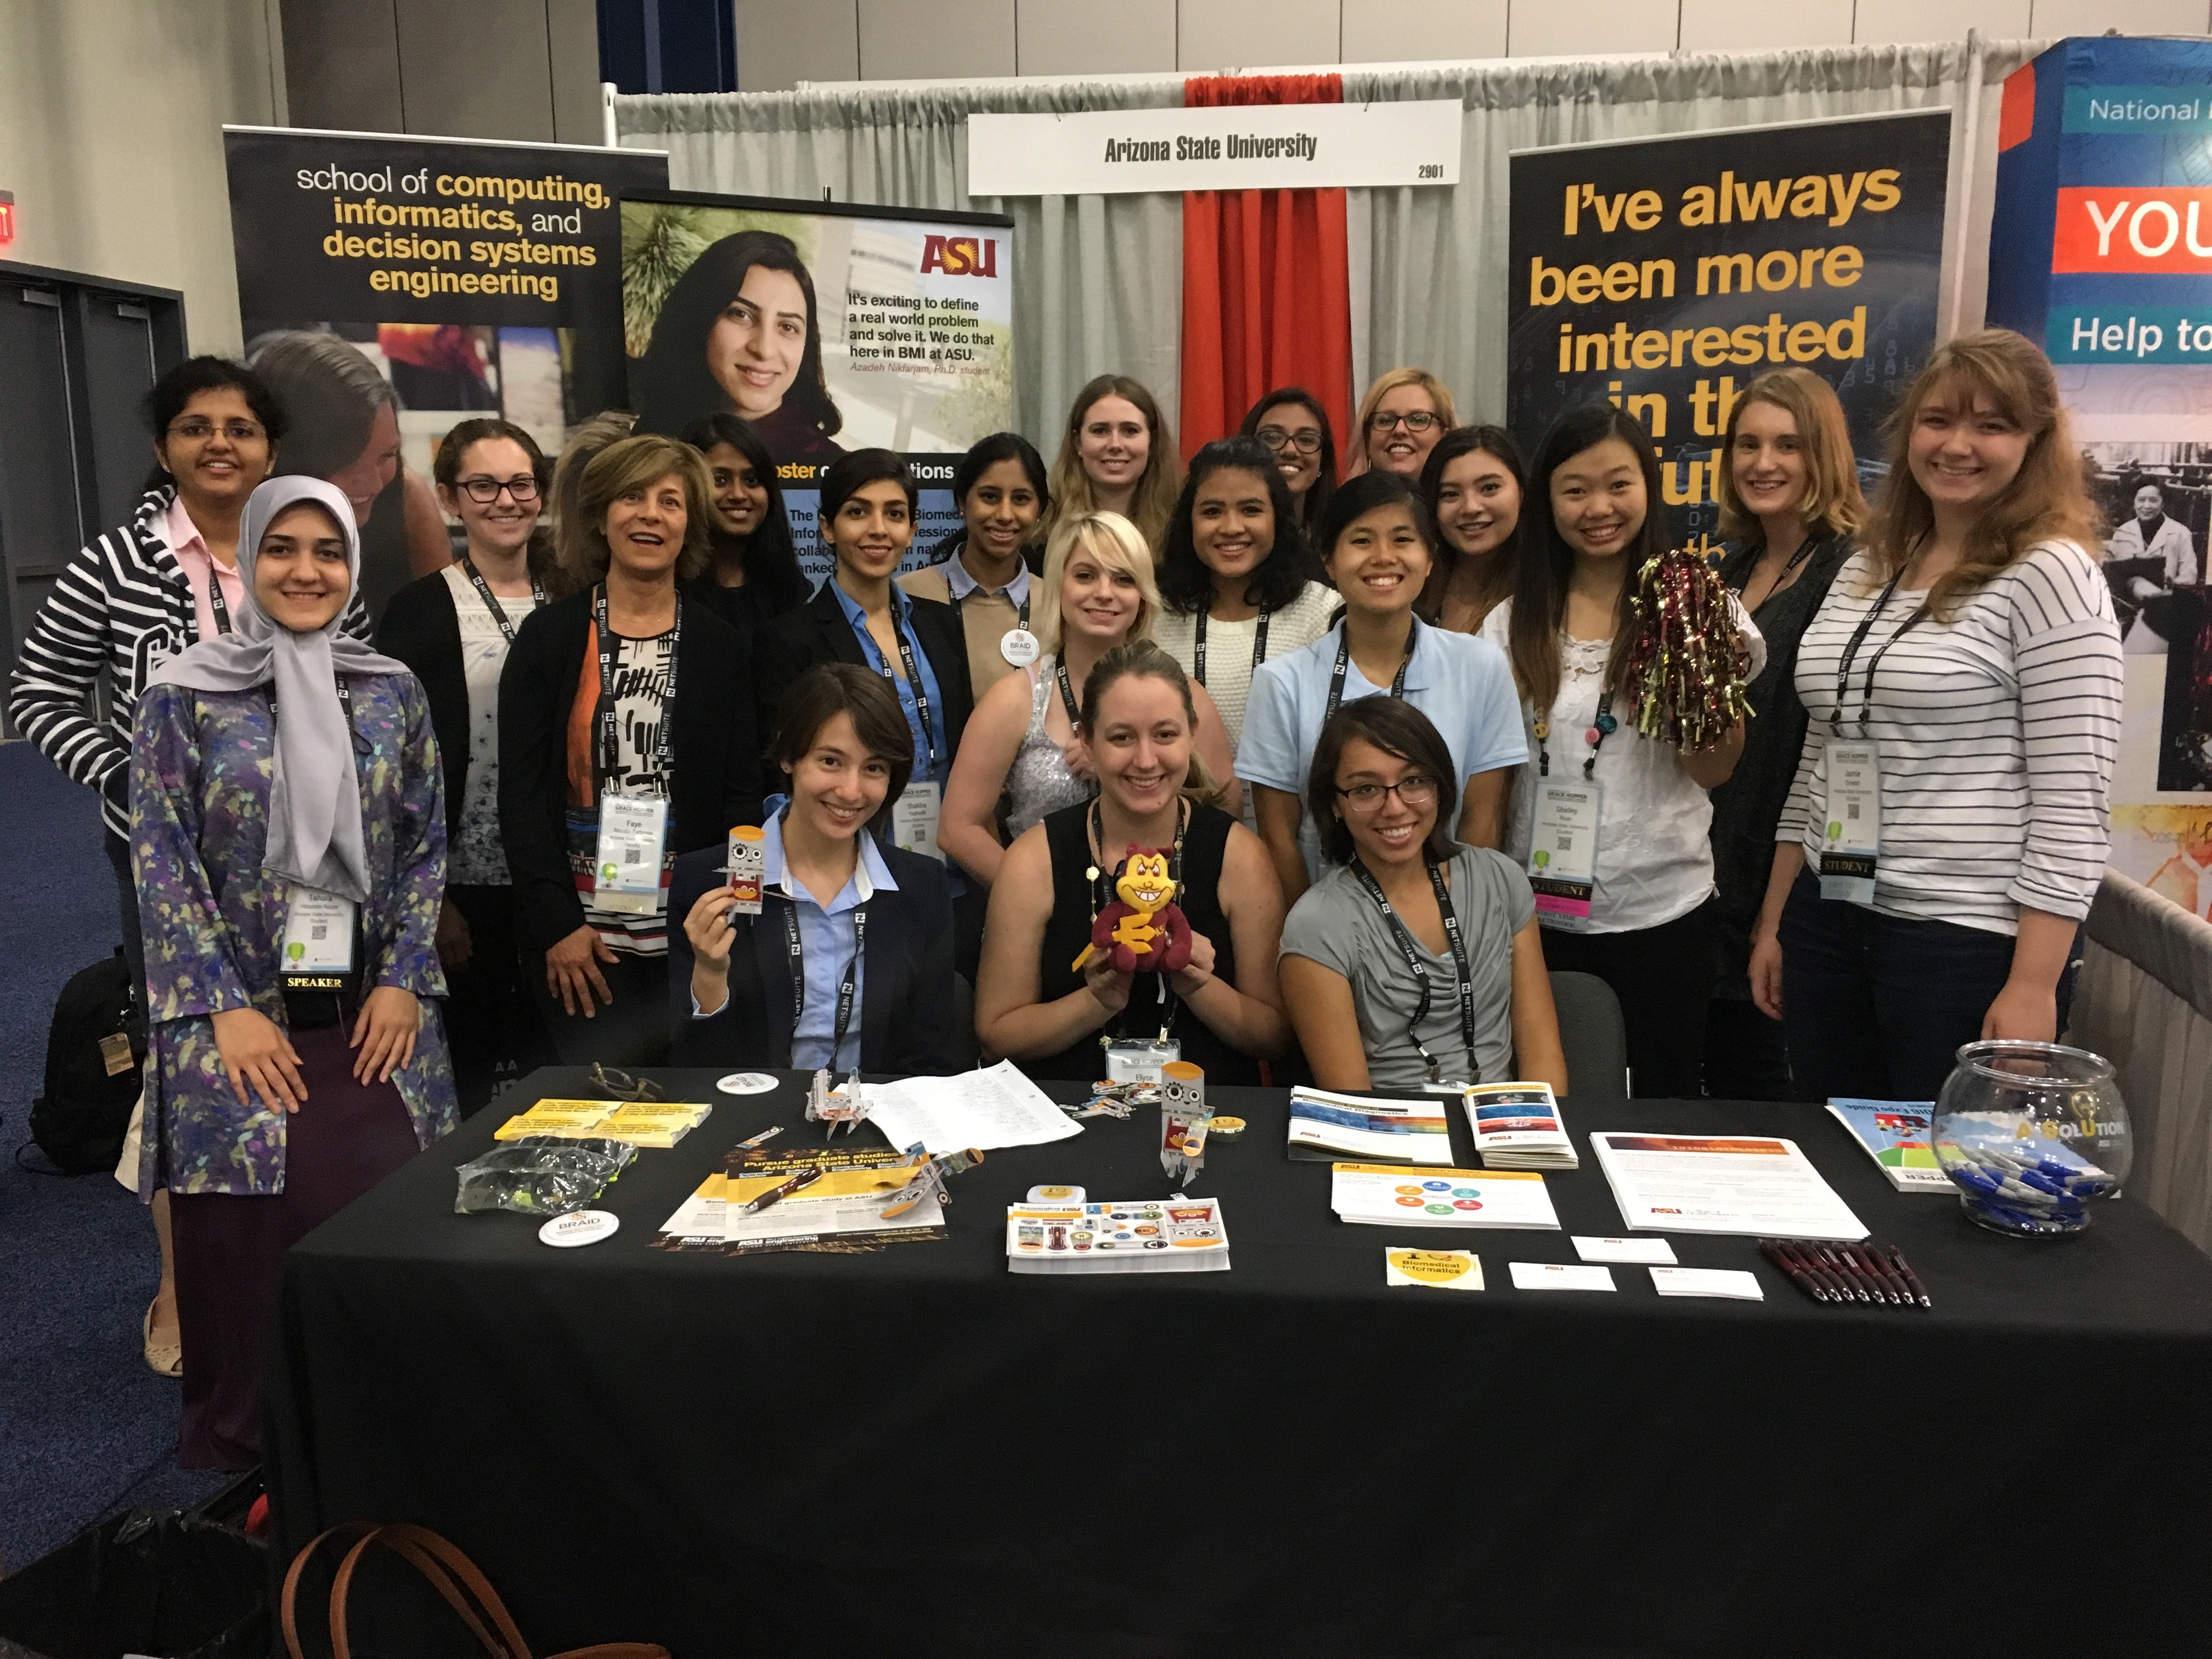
(318, 941)
(632, 830)
(1850, 838)
(1019, 647)
(1563, 850)
(913, 819)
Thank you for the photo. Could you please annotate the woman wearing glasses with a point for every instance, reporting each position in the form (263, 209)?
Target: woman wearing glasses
(1401, 418)
(1292, 426)
(453, 628)
(1415, 960)
(132, 599)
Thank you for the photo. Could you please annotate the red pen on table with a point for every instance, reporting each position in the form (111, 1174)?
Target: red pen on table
(1911, 1278)
(1863, 1283)
(1772, 1250)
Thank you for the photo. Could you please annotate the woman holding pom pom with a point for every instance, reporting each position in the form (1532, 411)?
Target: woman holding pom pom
(1630, 662)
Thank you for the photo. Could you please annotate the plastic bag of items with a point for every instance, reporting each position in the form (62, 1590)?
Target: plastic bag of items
(540, 1175)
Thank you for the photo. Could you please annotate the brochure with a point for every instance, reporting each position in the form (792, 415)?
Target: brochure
(1517, 1126)
(1136, 1235)
(840, 1210)
(1761, 1185)
(1379, 1195)
(1895, 1134)
(1385, 1131)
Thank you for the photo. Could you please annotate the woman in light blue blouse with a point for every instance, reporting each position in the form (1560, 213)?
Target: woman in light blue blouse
(289, 847)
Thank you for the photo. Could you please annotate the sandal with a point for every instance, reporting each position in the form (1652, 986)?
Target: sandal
(162, 1358)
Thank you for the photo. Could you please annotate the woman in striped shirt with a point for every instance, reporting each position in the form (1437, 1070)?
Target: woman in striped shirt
(1963, 678)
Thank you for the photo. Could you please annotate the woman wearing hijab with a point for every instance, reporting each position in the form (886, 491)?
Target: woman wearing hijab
(289, 847)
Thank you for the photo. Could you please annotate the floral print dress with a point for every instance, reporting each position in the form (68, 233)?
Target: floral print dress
(213, 919)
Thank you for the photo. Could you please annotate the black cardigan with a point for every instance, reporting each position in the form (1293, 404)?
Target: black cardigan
(788, 646)
(713, 743)
(907, 1023)
(422, 629)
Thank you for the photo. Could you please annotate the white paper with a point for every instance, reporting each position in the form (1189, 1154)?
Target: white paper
(1383, 1195)
(1553, 1276)
(1732, 1282)
(1624, 1249)
(994, 1107)
(1760, 1185)
(801, 1217)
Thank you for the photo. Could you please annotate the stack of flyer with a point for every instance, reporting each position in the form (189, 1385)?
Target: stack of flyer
(1324, 1126)
(1895, 1135)
(839, 1211)
(1517, 1126)
(1761, 1185)
(1140, 1235)
(641, 1123)
(1380, 1196)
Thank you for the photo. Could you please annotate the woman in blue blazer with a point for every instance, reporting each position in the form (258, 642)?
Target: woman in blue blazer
(849, 964)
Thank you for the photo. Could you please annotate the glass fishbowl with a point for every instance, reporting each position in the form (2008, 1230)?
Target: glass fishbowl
(2030, 1132)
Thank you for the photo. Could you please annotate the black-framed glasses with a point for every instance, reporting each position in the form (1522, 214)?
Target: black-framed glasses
(623, 1086)
(484, 491)
(1389, 420)
(1279, 438)
(1416, 790)
(197, 430)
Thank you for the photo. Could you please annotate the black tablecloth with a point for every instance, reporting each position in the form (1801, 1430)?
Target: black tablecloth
(915, 1453)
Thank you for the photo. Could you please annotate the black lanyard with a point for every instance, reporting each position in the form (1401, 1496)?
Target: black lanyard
(1601, 728)
(491, 604)
(1101, 889)
(216, 603)
(1344, 656)
(345, 701)
(1851, 651)
(610, 743)
(913, 679)
(1462, 975)
(845, 991)
(1067, 693)
(1259, 653)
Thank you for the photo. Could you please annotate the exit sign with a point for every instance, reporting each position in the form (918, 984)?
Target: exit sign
(7, 217)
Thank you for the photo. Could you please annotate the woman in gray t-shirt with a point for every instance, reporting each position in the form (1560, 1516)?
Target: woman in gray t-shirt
(1363, 944)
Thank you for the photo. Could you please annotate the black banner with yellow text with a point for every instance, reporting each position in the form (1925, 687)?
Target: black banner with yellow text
(1668, 274)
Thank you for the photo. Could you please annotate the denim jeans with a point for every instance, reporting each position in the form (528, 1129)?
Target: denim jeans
(1877, 1006)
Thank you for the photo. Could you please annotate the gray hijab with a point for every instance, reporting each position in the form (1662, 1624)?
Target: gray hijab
(314, 800)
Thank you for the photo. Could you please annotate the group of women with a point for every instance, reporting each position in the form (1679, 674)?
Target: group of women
(1353, 710)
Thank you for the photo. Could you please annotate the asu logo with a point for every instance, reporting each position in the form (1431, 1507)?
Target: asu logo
(960, 256)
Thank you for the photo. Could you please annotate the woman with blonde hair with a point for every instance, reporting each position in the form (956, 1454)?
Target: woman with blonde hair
(1964, 682)
(1023, 756)
(1116, 455)
(1789, 492)
(624, 691)
(1401, 418)
(1048, 1000)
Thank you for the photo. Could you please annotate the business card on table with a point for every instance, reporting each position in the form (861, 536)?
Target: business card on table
(1555, 1276)
(1624, 1249)
(1732, 1282)
(1439, 1270)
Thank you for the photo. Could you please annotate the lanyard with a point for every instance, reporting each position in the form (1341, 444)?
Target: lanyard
(345, 700)
(913, 680)
(845, 991)
(1851, 652)
(491, 604)
(1344, 656)
(1167, 1000)
(1021, 617)
(1260, 653)
(1462, 975)
(608, 745)
(216, 603)
(1601, 728)
(1067, 694)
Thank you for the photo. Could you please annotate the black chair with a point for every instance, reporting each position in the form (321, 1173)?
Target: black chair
(1594, 1035)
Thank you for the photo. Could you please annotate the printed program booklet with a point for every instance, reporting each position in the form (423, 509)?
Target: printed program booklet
(1895, 1134)
(1517, 1126)
(1137, 1236)
(1382, 1197)
(1761, 1185)
(1324, 1127)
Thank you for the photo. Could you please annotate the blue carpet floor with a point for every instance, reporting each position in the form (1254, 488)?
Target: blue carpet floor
(84, 1426)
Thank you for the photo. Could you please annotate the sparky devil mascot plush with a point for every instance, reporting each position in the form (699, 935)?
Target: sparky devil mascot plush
(1143, 931)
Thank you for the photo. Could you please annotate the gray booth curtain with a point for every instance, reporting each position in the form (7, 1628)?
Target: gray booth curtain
(1098, 279)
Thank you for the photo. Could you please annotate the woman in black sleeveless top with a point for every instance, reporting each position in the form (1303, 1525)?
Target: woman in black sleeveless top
(1032, 1003)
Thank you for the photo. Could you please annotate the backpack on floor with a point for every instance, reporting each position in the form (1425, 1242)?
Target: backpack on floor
(93, 1051)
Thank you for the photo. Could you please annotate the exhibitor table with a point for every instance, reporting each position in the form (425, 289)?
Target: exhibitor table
(915, 1453)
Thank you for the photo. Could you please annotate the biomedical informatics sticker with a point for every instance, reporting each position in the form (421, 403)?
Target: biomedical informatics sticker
(566, 1232)
(1436, 1270)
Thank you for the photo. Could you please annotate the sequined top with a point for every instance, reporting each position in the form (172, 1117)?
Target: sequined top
(213, 919)
(1039, 781)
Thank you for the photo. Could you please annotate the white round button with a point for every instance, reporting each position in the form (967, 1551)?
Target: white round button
(566, 1232)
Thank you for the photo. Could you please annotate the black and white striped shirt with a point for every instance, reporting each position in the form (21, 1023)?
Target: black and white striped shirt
(123, 603)
(1998, 731)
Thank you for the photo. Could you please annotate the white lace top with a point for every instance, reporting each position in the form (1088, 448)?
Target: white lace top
(476, 857)
(1655, 859)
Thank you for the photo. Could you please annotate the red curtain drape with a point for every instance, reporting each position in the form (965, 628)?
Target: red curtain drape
(1266, 288)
